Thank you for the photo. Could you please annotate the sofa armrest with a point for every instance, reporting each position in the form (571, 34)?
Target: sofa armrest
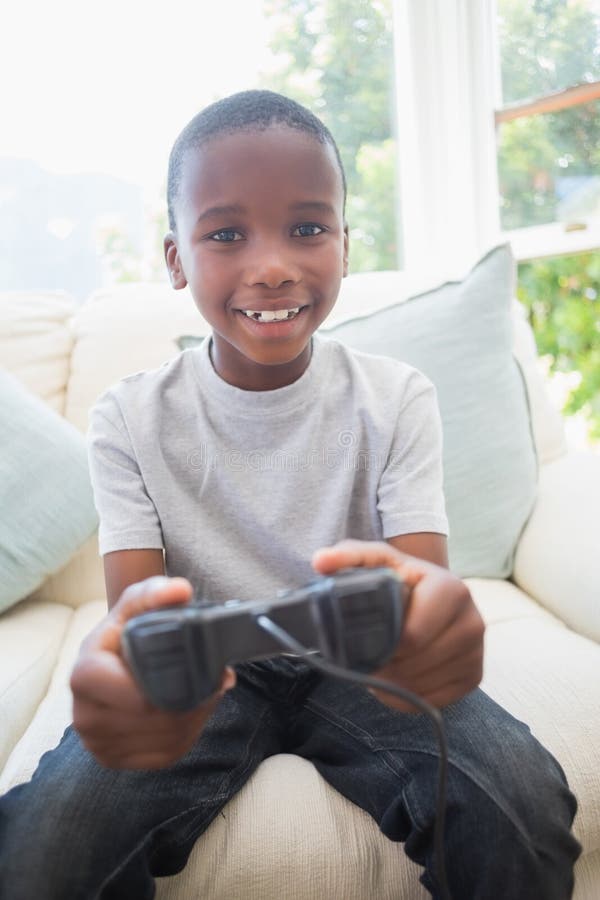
(558, 559)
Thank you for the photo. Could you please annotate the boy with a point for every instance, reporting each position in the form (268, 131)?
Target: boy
(256, 208)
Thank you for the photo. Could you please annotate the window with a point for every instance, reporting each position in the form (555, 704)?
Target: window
(98, 94)
(548, 146)
(548, 124)
(458, 165)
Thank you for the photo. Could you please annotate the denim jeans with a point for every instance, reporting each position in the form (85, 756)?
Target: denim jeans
(80, 831)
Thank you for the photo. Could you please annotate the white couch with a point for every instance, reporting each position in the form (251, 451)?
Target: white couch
(542, 641)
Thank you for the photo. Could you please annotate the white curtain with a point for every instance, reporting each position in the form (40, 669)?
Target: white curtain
(445, 81)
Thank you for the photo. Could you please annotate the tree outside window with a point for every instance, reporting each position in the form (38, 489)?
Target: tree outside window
(549, 172)
(336, 57)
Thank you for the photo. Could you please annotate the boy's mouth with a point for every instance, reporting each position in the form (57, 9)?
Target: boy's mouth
(272, 315)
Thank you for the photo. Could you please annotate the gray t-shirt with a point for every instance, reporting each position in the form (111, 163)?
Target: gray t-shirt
(241, 487)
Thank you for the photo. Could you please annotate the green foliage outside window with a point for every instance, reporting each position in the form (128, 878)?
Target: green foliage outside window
(562, 296)
(336, 57)
(546, 46)
(541, 158)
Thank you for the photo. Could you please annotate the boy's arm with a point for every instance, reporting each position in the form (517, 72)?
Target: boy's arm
(125, 567)
(115, 721)
(427, 545)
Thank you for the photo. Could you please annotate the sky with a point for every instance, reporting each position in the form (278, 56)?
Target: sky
(92, 86)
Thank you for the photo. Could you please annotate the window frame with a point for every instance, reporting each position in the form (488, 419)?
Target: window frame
(554, 238)
(447, 71)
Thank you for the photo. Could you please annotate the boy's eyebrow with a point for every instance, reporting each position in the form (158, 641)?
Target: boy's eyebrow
(319, 205)
(236, 209)
(232, 209)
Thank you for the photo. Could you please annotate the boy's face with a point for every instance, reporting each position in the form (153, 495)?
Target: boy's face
(260, 229)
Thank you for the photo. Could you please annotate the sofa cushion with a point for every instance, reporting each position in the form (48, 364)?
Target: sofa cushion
(122, 330)
(547, 676)
(327, 848)
(460, 335)
(546, 420)
(45, 491)
(31, 636)
(54, 712)
(36, 341)
(79, 582)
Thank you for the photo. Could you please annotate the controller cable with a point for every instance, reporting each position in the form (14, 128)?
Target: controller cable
(322, 665)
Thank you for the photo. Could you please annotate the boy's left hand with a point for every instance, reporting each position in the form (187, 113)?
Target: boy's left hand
(440, 654)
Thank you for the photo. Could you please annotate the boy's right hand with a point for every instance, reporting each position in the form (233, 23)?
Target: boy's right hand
(116, 723)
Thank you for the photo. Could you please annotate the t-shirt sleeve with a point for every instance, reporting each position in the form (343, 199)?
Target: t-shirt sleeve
(410, 496)
(128, 517)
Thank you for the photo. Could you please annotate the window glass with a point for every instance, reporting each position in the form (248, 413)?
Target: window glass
(548, 162)
(546, 46)
(549, 168)
(549, 172)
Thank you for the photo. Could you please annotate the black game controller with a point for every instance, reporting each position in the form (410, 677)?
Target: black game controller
(177, 654)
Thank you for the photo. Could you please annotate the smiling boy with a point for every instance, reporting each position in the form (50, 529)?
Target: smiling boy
(257, 232)
(280, 245)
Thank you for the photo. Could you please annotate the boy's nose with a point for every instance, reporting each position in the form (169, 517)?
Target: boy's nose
(272, 268)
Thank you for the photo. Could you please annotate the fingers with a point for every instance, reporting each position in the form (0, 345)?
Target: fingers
(466, 668)
(139, 760)
(111, 714)
(102, 723)
(452, 646)
(436, 603)
(353, 553)
(160, 590)
(356, 553)
(228, 681)
(440, 654)
(442, 696)
(152, 593)
(442, 670)
(151, 739)
(134, 734)
(101, 677)
(370, 554)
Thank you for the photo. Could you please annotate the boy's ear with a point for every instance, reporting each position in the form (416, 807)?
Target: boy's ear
(346, 249)
(176, 273)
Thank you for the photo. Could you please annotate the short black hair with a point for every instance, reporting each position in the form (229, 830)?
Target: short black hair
(245, 111)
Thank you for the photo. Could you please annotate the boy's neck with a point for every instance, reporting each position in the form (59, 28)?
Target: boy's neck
(251, 376)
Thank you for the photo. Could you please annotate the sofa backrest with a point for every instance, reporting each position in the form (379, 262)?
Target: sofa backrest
(68, 354)
(135, 326)
(36, 341)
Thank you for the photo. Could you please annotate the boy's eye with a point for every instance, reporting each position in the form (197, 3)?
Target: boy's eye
(226, 235)
(307, 229)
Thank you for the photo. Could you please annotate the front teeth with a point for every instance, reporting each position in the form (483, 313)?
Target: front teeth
(271, 315)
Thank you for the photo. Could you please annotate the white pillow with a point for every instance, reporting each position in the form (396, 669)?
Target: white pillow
(460, 336)
(46, 502)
